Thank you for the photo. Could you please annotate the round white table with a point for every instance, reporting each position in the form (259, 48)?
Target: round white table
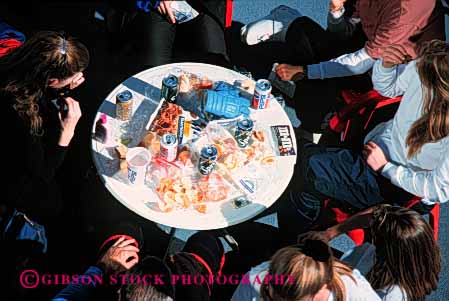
(145, 87)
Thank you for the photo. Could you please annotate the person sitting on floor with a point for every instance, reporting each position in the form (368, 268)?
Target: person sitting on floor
(32, 75)
(403, 262)
(402, 158)
(153, 26)
(340, 57)
(315, 275)
(202, 256)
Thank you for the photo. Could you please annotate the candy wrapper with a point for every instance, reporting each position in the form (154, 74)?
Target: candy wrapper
(283, 140)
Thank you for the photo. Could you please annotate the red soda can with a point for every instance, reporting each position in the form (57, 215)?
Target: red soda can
(262, 94)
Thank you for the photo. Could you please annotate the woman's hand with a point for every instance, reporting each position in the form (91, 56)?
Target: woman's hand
(77, 80)
(395, 55)
(374, 156)
(122, 255)
(69, 122)
(164, 8)
(287, 72)
(336, 5)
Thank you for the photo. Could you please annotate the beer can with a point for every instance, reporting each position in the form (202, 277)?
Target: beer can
(243, 132)
(169, 90)
(169, 147)
(208, 159)
(262, 94)
(124, 105)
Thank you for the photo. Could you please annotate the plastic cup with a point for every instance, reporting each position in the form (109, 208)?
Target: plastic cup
(138, 159)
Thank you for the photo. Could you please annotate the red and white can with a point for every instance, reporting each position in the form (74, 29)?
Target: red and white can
(169, 147)
(262, 94)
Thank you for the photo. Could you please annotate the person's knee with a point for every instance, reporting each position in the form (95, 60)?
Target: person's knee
(299, 27)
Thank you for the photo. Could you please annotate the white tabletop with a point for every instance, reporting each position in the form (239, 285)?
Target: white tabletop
(143, 201)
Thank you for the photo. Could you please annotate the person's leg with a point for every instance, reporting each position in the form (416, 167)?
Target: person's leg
(153, 37)
(338, 174)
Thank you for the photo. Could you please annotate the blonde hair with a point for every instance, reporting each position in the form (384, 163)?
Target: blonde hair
(311, 265)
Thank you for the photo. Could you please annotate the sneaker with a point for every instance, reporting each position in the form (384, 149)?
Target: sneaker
(272, 27)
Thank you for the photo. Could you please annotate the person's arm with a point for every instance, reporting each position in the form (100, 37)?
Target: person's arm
(82, 289)
(390, 81)
(399, 24)
(432, 186)
(122, 255)
(350, 64)
(359, 220)
(340, 24)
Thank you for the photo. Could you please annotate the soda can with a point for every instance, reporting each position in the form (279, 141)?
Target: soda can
(169, 90)
(208, 159)
(169, 147)
(262, 94)
(124, 105)
(243, 132)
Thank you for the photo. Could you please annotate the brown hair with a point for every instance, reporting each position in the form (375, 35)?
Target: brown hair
(433, 70)
(28, 69)
(311, 265)
(406, 253)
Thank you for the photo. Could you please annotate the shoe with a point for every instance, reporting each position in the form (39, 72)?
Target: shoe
(272, 27)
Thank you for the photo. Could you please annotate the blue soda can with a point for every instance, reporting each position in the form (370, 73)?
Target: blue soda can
(169, 90)
(262, 94)
(243, 132)
(208, 159)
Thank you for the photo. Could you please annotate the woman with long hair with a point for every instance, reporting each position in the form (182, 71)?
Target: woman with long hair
(36, 128)
(402, 158)
(306, 271)
(403, 261)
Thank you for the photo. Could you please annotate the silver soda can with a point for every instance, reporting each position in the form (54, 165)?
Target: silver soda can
(208, 159)
(124, 105)
(169, 147)
(169, 90)
(262, 94)
(243, 132)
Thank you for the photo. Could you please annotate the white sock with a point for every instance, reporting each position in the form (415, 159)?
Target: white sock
(272, 27)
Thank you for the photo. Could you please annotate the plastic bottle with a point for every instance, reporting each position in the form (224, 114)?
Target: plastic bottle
(101, 130)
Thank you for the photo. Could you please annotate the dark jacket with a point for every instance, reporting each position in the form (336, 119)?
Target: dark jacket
(31, 162)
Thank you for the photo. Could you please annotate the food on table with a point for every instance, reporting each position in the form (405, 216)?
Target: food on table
(268, 160)
(184, 157)
(121, 151)
(259, 135)
(182, 193)
(201, 208)
(123, 165)
(151, 142)
(213, 187)
(167, 119)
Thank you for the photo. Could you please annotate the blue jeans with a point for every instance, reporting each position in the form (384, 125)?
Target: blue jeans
(341, 175)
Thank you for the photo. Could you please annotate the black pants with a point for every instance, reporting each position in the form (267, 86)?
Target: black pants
(312, 44)
(154, 38)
